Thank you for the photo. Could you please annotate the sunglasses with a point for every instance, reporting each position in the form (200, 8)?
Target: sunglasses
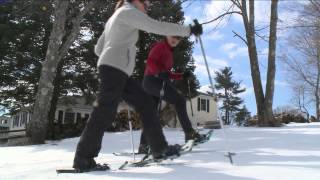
(177, 37)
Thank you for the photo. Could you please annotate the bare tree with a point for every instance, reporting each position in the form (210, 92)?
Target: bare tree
(264, 100)
(305, 64)
(67, 17)
(301, 100)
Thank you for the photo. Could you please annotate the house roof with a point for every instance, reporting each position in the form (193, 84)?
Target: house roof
(75, 101)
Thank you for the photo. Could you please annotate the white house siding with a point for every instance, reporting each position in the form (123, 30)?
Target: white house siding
(4, 123)
(84, 112)
(201, 115)
(19, 120)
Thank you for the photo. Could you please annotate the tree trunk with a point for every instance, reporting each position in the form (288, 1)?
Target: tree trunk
(59, 44)
(55, 97)
(37, 127)
(254, 64)
(317, 93)
(269, 118)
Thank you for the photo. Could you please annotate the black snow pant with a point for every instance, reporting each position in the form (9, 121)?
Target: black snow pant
(114, 86)
(153, 85)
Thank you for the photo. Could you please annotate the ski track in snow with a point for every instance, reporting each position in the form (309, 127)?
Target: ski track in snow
(291, 152)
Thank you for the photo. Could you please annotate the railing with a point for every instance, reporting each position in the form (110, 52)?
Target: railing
(5, 135)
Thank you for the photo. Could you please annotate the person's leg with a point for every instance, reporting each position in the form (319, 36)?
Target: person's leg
(146, 106)
(112, 84)
(172, 96)
(153, 85)
(143, 146)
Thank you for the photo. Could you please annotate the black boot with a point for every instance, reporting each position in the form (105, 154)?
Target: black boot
(198, 138)
(169, 151)
(143, 149)
(88, 164)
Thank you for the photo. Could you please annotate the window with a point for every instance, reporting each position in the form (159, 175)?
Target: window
(24, 117)
(69, 118)
(16, 120)
(2, 122)
(198, 104)
(86, 117)
(203, 105)
(60, 117)
(78, 117)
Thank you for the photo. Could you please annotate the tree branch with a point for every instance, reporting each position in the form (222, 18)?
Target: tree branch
(221, 16)
(237, 35)
(76, 21)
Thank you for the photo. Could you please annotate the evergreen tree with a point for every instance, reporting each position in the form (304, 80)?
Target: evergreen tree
(24, 35)
(242, 116)
(229, 91)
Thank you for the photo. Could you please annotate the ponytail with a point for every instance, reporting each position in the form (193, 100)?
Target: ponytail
(121, 2)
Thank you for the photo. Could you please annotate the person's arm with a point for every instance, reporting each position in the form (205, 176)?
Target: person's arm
(143, 22)
(100, 44)
(154, 57)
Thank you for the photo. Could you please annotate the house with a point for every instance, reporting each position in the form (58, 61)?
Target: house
(17, 121)
(4, 123)
(71, 110)
(75, 109)
(204, 112)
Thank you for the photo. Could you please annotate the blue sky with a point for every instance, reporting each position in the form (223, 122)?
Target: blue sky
(223, 49)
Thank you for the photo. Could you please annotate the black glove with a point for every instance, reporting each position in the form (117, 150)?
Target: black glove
(196, 29)
(164, 76)
(187, 75)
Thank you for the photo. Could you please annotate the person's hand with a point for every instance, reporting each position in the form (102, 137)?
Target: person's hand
(196, 29)
(187, 75)
(164, 76)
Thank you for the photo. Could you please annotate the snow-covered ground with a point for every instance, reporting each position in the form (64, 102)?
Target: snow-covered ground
(288, 153)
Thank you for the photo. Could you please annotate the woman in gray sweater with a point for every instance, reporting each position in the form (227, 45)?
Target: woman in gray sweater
(117, 52)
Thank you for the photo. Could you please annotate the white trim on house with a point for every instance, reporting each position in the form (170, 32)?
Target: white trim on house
(204, 109)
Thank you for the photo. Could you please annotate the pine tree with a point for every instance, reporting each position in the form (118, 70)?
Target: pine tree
(242, 116)
(229, 91)
(24, 35)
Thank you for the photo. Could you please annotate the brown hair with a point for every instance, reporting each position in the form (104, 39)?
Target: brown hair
(121, 2)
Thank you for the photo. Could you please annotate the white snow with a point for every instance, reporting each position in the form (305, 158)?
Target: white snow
(288, 153)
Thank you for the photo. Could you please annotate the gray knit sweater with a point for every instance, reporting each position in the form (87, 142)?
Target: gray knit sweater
(116, 46)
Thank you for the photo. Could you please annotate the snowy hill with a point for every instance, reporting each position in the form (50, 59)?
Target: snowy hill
(288, 153)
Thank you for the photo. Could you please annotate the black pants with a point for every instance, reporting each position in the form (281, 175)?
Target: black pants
(153, 85)
(114, 86)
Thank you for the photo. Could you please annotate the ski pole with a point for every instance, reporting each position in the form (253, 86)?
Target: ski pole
(190, 98)
(229, 154)
(191, 103)
(131, 134)
(161, 96)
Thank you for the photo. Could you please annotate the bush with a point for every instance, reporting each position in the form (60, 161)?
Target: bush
(288, 118)
(313, 119)
(121, 122)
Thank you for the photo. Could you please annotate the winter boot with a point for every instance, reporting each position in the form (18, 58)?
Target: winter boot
(143, 149)
(88, 164)
(198, 138)
(168, 152)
